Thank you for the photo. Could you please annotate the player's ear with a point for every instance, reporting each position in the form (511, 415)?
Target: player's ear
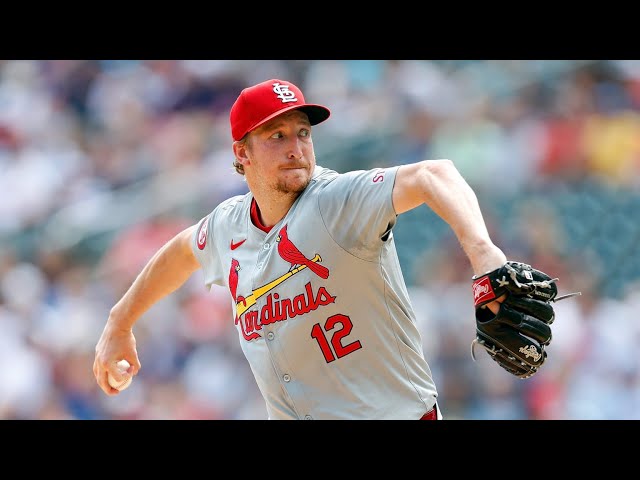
(240, 152)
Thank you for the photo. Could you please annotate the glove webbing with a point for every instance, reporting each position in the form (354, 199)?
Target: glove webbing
(513, 273)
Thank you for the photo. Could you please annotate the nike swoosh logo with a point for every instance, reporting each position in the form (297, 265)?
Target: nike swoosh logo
(236, 245)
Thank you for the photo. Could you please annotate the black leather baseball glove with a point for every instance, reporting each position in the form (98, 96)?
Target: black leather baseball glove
(516, 336)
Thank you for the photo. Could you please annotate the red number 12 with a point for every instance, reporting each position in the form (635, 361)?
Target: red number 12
(336, 338)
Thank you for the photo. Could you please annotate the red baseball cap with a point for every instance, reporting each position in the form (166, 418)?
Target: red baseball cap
(260, 103)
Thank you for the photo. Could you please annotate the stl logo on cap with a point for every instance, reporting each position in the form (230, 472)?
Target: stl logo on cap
(257, 104)
(283, 93)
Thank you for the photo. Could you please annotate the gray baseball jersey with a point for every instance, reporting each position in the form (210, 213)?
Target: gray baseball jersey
(321, 308)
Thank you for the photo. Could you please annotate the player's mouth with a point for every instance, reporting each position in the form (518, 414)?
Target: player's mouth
(299, 167)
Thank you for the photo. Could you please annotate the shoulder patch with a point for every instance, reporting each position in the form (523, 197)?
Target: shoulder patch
(202, 233)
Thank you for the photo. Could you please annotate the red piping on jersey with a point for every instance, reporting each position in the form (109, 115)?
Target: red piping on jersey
(255, 217)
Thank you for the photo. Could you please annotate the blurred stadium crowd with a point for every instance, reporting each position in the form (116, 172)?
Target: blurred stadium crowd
(101, 162)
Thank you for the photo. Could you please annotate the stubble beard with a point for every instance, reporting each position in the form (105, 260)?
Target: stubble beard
(289, 187)
(293, 186)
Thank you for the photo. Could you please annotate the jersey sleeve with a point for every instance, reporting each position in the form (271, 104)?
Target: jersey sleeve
(357, 209)
(203, 246)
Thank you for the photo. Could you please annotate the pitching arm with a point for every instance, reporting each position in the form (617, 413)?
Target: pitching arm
(167, 270)
(439, 185)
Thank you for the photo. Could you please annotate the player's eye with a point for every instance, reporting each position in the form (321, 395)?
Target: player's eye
(305, 132)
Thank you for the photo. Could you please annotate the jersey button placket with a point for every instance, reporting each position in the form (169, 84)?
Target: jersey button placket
(286, 377)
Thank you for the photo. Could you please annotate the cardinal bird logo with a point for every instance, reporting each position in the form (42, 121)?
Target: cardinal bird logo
(233, 278)
(289, 252)
(233, 281)
(247, 332)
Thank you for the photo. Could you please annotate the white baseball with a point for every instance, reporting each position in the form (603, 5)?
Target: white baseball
(122, 365)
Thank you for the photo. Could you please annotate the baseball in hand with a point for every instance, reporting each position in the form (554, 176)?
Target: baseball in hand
(122, 365)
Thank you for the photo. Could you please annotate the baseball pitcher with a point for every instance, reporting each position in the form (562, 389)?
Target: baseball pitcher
(308, 255)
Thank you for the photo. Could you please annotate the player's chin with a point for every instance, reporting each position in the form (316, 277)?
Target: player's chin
(294, 180)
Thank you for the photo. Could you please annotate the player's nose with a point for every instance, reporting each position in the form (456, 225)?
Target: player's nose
(295, 149)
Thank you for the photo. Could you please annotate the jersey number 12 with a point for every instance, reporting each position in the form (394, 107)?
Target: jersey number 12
(335, 340)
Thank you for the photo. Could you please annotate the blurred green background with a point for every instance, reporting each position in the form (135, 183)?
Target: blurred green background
(102, 161)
